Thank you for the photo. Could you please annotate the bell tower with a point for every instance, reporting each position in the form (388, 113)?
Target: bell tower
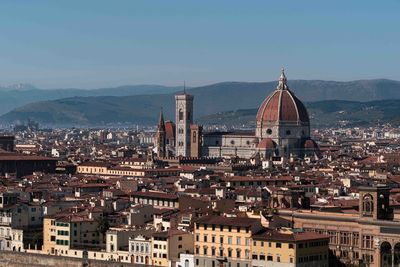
(161, 137)
(183, 120)
(374, 203)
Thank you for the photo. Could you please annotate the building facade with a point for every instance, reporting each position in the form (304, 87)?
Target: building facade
(367, 238)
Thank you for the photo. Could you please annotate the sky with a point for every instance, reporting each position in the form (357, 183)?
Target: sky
(92, 44)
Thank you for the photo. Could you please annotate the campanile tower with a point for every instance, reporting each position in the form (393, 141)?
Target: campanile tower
(183, 120)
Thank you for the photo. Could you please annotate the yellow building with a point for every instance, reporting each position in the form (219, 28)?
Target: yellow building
(49, 235)
(168, 245)
(64, 232)
(220, 240)
(287, 248)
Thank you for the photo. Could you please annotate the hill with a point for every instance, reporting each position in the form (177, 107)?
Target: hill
(18, 95)
(227, 95)
(322, 114)
(211, 99)
(142, 110)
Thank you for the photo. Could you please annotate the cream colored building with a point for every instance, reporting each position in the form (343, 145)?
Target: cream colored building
(62, 233)
(167, 245)
(224, 240)
(289, 248)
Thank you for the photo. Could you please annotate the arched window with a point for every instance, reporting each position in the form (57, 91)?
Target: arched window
(368, 205)
(180, 114)
(186, 263)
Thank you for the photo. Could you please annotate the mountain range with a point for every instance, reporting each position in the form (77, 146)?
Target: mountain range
(17, 95)
(322, 114)
(120, 105)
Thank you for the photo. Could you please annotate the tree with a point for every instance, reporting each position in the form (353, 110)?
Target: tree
(102, 226)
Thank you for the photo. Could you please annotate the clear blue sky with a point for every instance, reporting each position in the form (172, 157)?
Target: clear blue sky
(89, 44)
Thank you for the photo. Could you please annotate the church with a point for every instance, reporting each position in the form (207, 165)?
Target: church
(282, 130)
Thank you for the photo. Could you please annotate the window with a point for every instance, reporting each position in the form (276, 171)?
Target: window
(237, 253)
(194, 136)
(229, 240)
(367, 241)
(221, 239)
(255, 257)
(291, 246)
(368, 205)
(269, 131)
(205, 238)
(238, 240)
(262, 257)
(356, 239)
(288, 132)
(278, 245)
(345, 238)
(270, 258)
(180, 114)
(332, 237)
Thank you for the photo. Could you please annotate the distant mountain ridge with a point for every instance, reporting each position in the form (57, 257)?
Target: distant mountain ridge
(322, 114)
(210, 99)
(15, 96)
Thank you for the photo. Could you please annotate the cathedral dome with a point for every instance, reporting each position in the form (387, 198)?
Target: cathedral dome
(282, 105)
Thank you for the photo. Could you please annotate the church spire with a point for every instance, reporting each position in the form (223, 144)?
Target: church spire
(282, 81)
(161, 123)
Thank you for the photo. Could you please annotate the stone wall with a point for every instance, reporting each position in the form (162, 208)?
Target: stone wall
(20, 259)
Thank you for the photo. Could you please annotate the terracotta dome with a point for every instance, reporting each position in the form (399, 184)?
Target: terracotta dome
(169, 130)
(310, 144)
(267, 143)
(282, 105)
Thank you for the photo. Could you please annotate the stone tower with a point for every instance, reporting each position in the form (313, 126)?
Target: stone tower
(161, 137)
(195, 140)
(183, 120)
